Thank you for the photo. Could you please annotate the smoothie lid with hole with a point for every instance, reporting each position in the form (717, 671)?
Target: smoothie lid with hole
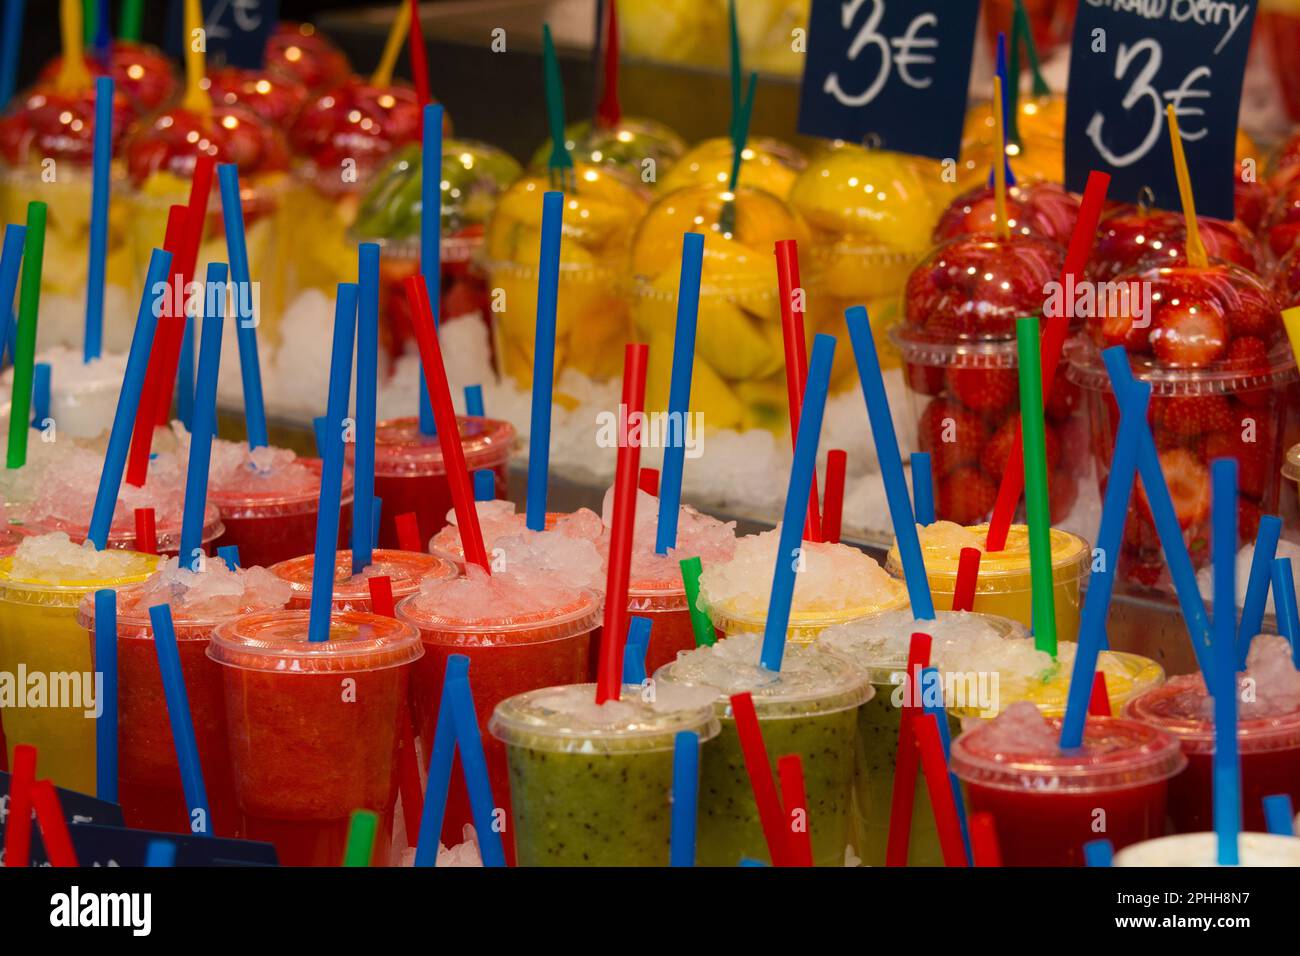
(1180, 708)
(121, 534)
(405, 569)
(809, 683)
(260, 485)
(568, 720)
(1116, 754)
(401, 449)
(277, 641)
(1202, 849)
(51, 570)
(941, 545)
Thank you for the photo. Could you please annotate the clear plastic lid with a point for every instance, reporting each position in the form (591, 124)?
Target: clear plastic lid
(167, 145)
(199, 601)
(275, 97)
(1116, 754)
(1040, 209)
(404, 569)
(442, 612)
(1292, 467)
(248, 499)
(1179, 706)
(278, 641)
(942, 543)
(1202, 849)
(47, 124)
(809, 682)
(121, 535)
(64, 585)
(769, 164)
(306, 55)
(567, 719)
(402, 450)
(1131, 238)
(625, 146)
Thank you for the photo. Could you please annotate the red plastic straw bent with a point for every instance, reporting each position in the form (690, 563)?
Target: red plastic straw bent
(408, 531)
(54, 829)
(984, 840)
(794, 798)
(905, 766)
(796, 359)
(1099, 701)
(968, 572)
(609, 113)
(837, 463)
(18, 831)
(146, 531)
(939, 784)
(759, 769)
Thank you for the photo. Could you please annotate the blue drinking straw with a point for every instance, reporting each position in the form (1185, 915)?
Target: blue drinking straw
(635, 650)
(363, 462)
(319, 431)
(1279, 815)
(548, 291)
(747, 861)
(41, 385)
(1164, 516)
(1099, 853)
(103, 34)
(204, 426)
(376, 512)
(430, 238)
(1261, 572)
(1284, 606)
(9, 40)
(891, 462)
(1004, 106)
(470, 744)
(185, 377)
(473, 400)
(10, 265)
(796, 501)
(923, 487)
(178, 711)
(441, 756)
(250, 368)
(679, 391)
(930, 678)
(128, 400)
(1223, 685)
(229, 553)
(1110, 537)
(100, 189)
(106, 724)
(686, 795)
(485, 485)
(331, 480)
(160, 853)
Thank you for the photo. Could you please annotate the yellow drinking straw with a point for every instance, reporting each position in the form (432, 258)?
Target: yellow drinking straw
(383, 75)
(1196, 256)
(1291, 319)
(196, 97)
(1000, 167)
(73, 75)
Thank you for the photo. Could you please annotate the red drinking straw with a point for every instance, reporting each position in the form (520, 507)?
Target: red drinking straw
(1099, 701)
(984, 840)
(796, 358)
(648, 481)
(837, 463)
(759, 769)
(381, 596)
(18, 831)
(1055, 331)
(146, 531)
(795, 800)
(609, 113)
(419, 63)
(408, 532)
(444, 416)
(408, 768)
(939, 784)
(968, 572)
(54, 829)
(609, 674)
(905, 766)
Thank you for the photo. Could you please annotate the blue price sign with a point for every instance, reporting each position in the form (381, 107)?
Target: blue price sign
(78, 809)
(236, 31)
(1131, 59)
(894, 71)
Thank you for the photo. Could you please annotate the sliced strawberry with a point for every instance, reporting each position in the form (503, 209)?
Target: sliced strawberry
(1189, 486)
(984, 389)
(1188, 333)
(954, 436)
(965, 496)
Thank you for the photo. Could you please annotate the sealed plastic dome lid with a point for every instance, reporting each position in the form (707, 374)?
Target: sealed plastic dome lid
(769, 164)
(625, 146)
(1132, 238)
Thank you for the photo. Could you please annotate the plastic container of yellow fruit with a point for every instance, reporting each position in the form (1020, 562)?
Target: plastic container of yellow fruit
(601, 214)
(769, 164)
(870, 213)
(1040, 153)
(739, 377)
(643, 149)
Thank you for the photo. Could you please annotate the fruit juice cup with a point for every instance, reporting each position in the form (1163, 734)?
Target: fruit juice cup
(269, 525)
(1269, 748)
(1202, 849)
(1003, 588)
(958, 346)
(1047, 804)
(878, 647)
(313, 727)
(591, 785)
(411, 476)
(871, 213)
(83, 395)
(1223, 384)
(625, 147)
(669, 611)
(404, 570)
(1281, 22)
(592, 325)
(39, 634)
(510, 653)
(767, 164)
(740, 373)
(121, 534)
(811, 709)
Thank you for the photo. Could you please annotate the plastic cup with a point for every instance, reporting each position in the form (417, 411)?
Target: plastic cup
(625, 146)
(1046, 806)
(39, 634)
(1004, 588)
(121, 534)
(83, 396)
(269, 526)
(404, 570)
(411, 476)
(1269, 750)
(509, 655)
(1202, 849)
(669, 611)
(769, 165)
(812, 708)
(591, 786)
(313, 727)
(1291, 470)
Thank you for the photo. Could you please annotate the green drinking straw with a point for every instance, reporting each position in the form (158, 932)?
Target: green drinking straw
(691, 571)
(1036, 501)
(361, 838)
(129, 25)
(29, 303)
(734, 42)
(89, 19)
(560, 164)
(1020, 32)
